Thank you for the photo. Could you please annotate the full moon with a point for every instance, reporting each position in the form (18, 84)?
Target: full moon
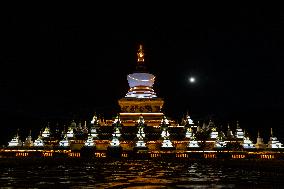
(191, 79)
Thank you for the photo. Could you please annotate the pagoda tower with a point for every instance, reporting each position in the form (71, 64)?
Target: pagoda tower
(141, 99)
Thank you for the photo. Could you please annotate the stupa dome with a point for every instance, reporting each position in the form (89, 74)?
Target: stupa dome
(140, 79)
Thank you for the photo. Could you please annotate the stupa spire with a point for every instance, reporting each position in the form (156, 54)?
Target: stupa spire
(140, 54)
(140, 60)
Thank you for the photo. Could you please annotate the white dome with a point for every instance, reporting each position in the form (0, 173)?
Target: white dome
(140, 79)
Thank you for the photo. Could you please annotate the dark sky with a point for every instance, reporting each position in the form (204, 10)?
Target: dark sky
(62, 65)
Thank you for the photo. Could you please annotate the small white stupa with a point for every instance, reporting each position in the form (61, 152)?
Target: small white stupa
(220, 143)
(214, 133)
(15, 142)
(46, 132)
(70, 132)
(115, 142)
(239, 132)
(116, 134)
(166, 142)
(94, 132)
(28, 142)
(188, 121)
(94, 124)
(229, 132)
(259, 142)
(165, 134)
(193, 143)
(141, 134)
(90, 141)
(247, 143)
(39, 142)
(188, 133)
(64, 142)
(273, 142)
(140, 143)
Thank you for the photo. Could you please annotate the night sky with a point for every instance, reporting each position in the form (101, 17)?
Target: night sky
(62, 65)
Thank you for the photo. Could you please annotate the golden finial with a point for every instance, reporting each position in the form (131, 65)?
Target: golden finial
(140, 54)
(271, 132)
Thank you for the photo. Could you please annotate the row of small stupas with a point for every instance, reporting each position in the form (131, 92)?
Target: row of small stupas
(142, 124)
(140, 134)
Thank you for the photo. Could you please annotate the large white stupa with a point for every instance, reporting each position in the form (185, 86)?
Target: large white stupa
(140, 82)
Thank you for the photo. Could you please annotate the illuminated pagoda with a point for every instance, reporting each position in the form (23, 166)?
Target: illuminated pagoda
(28, 142)
(214, 133)
(229, 133)
(46, 132)
(213, 130)
(70, 132)
(187, 122)
(94, 127)
(85, 128)
(39, 142)
(64, 142)
(273, 142)
(116, 134)
(141, 98)
(239, 132)
(193, 143)
(166, 144)
(90, 141)
(188, 133)
(141, 126)
(115, 149)
(15, 142)
(140, 143)
(259, 142)
(220, 143)
(115, 141)
(247, 143)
